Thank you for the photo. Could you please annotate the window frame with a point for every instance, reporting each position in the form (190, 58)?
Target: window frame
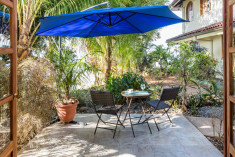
(189, 6)
(202, 6)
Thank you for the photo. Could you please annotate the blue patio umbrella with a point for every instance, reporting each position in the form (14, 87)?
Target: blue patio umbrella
(108, 21)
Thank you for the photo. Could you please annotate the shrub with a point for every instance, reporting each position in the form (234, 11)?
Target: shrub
(84, 96)
(37, 94)
(126, 81)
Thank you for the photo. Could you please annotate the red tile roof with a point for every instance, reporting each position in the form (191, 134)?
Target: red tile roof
(209, 28)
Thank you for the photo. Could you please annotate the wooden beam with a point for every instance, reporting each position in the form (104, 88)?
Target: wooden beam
(232, 99)
(8, 3)
(225, 74)
(6, 100)
(232, 150)
(6, 51)
(7, 151)
(13, 89)
(231, 2)
(231, 49)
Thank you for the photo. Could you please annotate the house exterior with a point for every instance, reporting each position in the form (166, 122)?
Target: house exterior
(205, 26)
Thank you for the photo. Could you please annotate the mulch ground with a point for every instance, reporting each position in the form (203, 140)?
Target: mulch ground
(218, 143)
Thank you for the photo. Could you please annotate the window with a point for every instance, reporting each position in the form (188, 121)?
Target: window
(189, 11)
(205, 6)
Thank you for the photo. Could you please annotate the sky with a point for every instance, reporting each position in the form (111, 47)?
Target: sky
(169, 31)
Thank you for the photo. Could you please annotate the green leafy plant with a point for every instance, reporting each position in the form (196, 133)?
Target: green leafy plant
(215, 93)
(213, 97)
(191, 63)
(70, 70)
(126, 81)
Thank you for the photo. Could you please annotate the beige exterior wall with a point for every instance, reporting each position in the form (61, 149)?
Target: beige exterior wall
(199, 21)
(212, 41)
(214, 47)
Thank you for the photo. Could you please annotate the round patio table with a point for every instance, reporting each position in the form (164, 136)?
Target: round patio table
(142, 97)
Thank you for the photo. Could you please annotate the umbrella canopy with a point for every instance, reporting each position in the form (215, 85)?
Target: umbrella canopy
(108, 21)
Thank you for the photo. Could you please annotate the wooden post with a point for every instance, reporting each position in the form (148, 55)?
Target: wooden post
(11, 148)
(225, 73)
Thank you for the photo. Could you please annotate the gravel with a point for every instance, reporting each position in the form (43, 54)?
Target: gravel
(211, 112)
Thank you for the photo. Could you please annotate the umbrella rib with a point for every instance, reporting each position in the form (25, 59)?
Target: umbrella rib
(95, 21)
(156, 16)
(64, 24)
(115, 18)
(123, 19)
(130, 23)
(102, 18)
(92, 30)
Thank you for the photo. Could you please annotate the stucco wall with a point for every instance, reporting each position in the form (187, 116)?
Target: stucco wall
(198, 21)
(214, 47)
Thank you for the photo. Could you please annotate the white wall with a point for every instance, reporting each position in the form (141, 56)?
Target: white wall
(199, 21)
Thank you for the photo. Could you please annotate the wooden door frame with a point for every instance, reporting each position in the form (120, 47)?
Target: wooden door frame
(11, 149)
(225, 74)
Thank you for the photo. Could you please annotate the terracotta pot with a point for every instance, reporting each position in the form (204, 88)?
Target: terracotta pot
(66, 113)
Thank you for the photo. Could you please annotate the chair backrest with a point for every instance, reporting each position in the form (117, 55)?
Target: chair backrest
(169, 93)
(102, 98)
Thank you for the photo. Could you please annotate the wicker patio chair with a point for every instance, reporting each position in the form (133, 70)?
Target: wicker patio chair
(167, 94)
(103, 103)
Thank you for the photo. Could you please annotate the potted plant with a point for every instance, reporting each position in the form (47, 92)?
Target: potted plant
(69, 71)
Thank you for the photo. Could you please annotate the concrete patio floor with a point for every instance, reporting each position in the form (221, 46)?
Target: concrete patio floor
(75, 140)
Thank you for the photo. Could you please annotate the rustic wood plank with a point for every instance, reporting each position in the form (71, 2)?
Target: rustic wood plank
(225, 72)
(232, 99)
(7, 151)
(231, 50)
(228, 21)
(6, 50)
(6, 100)
(11, 149)
(8, 3)
(13, 33)
(224, 45)
(231, 2)
(232, 150)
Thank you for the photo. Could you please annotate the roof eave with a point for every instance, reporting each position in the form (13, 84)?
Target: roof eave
(191, 35)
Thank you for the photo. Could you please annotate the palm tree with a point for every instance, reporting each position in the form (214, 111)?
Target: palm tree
(121, 49)
(30, 10)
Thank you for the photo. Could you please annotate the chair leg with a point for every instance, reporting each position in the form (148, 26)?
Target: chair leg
(168, 116)
(97, 123)
(156, 124)
(154, 120)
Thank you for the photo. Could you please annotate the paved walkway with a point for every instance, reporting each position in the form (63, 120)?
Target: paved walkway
(211, 127)
(73, 140)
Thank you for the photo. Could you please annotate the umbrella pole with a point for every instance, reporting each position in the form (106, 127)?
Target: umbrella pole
(60, 47)
(98, 5)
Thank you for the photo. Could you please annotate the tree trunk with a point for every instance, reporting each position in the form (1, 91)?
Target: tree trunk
(67, 94)
(184, 94)
(108, 58)
(23, 48)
